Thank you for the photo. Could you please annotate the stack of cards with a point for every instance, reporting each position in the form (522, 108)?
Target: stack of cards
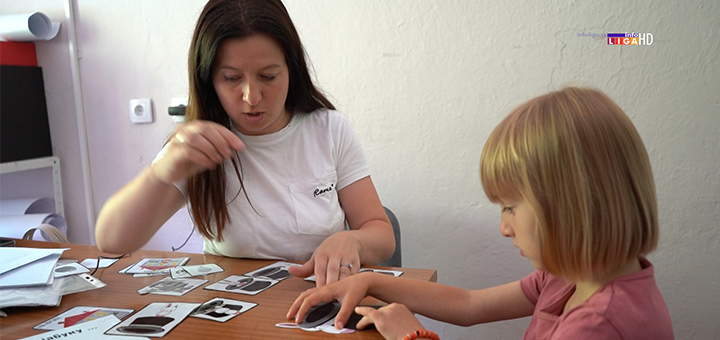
(362, 270)
(198, 270)
(254, 282)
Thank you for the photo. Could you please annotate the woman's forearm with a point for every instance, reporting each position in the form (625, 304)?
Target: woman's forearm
(135, 213)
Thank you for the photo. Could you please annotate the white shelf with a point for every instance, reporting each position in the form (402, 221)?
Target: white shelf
(39, 163)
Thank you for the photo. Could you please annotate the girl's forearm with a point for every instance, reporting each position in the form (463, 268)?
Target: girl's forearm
(433, 300)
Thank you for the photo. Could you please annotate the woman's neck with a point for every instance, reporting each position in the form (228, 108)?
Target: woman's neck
(586, 288)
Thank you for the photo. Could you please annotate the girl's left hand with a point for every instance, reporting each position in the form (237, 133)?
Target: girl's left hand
(335, 259)
(393, 321)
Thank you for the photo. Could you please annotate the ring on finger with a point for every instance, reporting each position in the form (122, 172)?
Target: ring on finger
(348, 265)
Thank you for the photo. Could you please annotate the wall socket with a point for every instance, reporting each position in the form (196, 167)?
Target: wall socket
(141, 111)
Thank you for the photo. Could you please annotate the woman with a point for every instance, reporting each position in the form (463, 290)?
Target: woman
(268, 168)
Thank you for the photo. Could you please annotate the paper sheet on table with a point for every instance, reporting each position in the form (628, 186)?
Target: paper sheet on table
(35, 273)
(87, 330)
(27, 27)
(45, 295)
(28, 266)
(15, 257)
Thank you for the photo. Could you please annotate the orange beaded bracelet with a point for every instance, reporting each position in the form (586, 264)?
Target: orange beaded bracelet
(422, 334)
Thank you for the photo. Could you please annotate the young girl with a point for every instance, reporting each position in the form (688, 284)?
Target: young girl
(573, 180)
(267, 166)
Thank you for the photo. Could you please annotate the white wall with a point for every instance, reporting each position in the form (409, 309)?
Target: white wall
(424, 83)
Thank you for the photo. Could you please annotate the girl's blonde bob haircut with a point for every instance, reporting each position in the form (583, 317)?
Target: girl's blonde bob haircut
(579, 162)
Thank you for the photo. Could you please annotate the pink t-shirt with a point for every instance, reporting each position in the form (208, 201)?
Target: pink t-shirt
(628, 307)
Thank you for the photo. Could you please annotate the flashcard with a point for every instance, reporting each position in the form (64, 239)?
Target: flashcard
(124, 270)
(104, 263)
(69, 269)
(242, 284)
(395, 273)
(80, 314)
(155, 320)
(155, 273)
(155, 264)
(322, 318)
(91, 330)
(170, 286)
(221, 309)
(275, 271)
(327, 327)
(62, 262)
(198, 270)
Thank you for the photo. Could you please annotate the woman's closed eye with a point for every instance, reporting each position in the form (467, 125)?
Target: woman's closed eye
(268, 77)
(509, 210)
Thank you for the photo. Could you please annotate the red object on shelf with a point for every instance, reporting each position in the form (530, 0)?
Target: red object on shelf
(17, 53)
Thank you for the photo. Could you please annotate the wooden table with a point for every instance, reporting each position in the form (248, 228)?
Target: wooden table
(121, 292)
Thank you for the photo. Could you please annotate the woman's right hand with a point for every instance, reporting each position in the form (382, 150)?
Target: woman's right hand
(196, 147)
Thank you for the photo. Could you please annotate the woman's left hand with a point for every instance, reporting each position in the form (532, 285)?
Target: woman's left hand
(336, 258)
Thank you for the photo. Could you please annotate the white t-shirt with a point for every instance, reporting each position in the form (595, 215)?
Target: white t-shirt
(292, 178)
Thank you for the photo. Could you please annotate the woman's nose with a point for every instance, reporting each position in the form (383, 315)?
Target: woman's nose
(251, 93)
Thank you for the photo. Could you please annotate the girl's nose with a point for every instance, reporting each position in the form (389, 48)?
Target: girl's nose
(506, 229)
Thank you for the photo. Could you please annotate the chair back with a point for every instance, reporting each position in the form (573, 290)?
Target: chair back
(396, 259)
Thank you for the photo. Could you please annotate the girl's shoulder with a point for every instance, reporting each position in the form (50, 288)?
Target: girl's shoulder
(632, 306)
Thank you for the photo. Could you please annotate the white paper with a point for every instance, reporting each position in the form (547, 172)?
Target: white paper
(15, 257)
(87, 330)
(15, 226)
(22, 206)
(104, 263)
(27, 27)
(35, 273)
(47, 295)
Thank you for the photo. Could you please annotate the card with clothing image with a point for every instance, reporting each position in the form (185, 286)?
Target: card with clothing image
(170, 286)
(221, 309)
(197, 270)
(275, 271)
(155, 273)
(155, 320)
(69, 269)
(80, 314)
(395, 273)
(150, 265)
(243, 284)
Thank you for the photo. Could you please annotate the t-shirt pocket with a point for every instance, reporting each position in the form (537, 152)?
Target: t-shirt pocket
(317, 207)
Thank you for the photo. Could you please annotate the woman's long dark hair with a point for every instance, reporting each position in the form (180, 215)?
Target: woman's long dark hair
(221, 20)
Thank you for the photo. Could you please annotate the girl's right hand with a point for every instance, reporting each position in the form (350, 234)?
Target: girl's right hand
(393, 321)
(348, 291)
(196, 147)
